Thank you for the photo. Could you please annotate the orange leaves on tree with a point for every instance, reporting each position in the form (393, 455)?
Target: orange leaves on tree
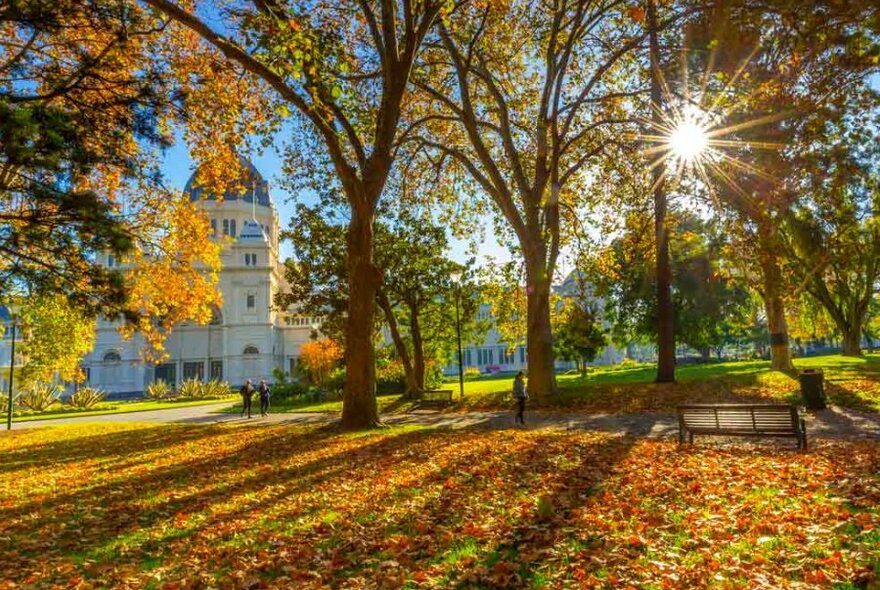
(319, 358)
(176, 280)
(636, 13)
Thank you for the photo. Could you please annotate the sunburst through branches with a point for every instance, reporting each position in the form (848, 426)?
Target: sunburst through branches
(691, 131)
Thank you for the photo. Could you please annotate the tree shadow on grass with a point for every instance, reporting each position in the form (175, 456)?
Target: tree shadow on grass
(477, 488)
(117, 522)
(93, 446)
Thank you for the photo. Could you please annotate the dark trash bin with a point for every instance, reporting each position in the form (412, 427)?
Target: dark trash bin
(813, 388)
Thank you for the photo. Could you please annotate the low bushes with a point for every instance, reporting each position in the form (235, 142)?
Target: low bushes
(158, 390)
(85, 398)
(216, 389)
(284, 391)
(189, 389)
(39, 396)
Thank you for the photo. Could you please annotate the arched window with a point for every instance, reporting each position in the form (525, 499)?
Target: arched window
(110, 370)
(251, 350)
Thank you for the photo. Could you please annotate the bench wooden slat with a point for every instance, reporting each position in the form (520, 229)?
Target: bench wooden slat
(741, 420)
(435, 397)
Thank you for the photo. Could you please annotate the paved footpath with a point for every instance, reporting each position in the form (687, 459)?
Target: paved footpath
(834, 422)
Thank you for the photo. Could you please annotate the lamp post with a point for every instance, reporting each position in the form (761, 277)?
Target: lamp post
(456, 277)
(11, 372)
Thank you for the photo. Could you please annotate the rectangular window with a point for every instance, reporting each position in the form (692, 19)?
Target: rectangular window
(292, 366)
(111, 261)
(251, 301)
(232, 227)
(194, 370)
(217, 370)
(491, 360)
(225, 227)
(213, 226)
(167, 372)
(253, 259)
(522, 354)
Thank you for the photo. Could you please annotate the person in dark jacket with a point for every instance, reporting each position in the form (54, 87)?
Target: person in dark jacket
(264, 397)
(521, 396)
(247, 391)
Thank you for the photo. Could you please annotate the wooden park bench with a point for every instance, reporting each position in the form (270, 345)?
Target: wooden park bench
(741, 420)
(434, 398)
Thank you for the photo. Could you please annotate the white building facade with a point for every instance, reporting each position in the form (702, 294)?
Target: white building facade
(247, 337)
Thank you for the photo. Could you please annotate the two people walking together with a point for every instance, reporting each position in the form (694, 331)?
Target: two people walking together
(247, 392)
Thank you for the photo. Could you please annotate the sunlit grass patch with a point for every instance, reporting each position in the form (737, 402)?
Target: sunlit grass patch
(850, 382)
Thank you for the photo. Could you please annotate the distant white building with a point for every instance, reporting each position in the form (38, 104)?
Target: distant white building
(492, 354)
(248, 337)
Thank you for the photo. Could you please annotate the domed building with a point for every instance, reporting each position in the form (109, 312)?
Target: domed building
(248, 337)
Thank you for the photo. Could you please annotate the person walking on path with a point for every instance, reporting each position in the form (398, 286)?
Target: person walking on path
(521, 396)
(264, 397)
(247, 391)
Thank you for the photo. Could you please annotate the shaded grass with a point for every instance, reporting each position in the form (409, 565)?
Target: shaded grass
(124, 505)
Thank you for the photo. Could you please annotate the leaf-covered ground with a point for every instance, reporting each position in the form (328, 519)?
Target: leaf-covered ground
(179, 506)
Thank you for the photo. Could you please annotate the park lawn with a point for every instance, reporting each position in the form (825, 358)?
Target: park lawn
(849, 382)
(117, 407)
(185, 506)
(390, 402)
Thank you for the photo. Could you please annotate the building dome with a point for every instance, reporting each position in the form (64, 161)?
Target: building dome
(246, 189)
(252, 231)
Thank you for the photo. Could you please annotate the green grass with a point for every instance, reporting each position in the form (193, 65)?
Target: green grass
(849, 382)
(387, 403)
(117, 407)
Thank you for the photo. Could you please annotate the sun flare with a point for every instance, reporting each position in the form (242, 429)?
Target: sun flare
(688, 140)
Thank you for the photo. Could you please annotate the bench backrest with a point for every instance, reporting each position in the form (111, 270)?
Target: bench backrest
(739, 417)
(436, 395)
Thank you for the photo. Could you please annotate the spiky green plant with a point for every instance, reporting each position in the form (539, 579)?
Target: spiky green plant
(217, 389)
(39, 397)
(86, 397)
(191, 389)
(158, 390)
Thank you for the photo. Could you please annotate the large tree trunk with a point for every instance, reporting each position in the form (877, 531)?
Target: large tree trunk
(415, 330)
(539, 335)
(852, 339)
(780, 350)
(665, 312)
(359, 409)
(399, 344)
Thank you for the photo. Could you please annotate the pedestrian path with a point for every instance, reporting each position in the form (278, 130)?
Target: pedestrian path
(834, 422)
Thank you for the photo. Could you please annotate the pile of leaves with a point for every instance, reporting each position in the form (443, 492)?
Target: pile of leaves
(191, 506)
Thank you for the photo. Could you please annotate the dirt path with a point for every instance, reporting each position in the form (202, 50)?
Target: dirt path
(834, 422)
